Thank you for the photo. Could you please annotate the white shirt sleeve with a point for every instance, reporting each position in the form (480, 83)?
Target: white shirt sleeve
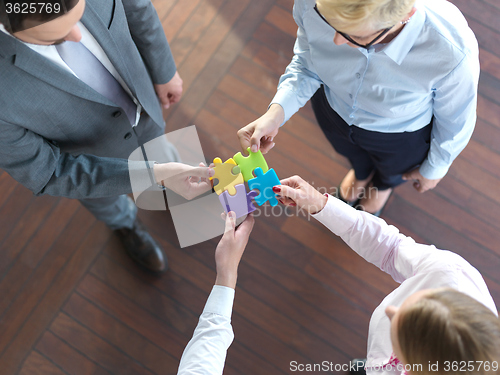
(206, 352)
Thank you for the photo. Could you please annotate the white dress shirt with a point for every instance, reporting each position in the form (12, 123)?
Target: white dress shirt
(414, 265)
(88, 40)
(430, 69)
(206, 352)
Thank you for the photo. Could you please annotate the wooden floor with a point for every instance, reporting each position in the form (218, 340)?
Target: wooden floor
(71, 302)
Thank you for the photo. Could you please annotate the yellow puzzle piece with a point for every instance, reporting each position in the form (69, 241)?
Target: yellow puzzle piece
(228, 174)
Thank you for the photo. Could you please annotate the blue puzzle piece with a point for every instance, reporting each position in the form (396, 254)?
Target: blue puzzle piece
(264, 183)
(240, 203)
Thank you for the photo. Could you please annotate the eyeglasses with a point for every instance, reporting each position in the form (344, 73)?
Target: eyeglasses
(382, 33)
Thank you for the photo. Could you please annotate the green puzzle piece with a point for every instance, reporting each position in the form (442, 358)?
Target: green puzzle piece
(248, 163)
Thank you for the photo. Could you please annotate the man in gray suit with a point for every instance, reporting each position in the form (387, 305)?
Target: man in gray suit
(80, 92)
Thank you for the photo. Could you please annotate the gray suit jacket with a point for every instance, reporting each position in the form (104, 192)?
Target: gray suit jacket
(60, 137)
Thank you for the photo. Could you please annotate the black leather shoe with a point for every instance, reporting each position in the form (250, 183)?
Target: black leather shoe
(357, 366)
(142, 248)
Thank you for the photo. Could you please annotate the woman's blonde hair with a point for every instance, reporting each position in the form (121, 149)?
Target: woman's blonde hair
(449, 327)
(378, 14)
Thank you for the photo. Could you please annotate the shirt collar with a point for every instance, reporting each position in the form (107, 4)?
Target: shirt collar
(2, 28)
(399, 48)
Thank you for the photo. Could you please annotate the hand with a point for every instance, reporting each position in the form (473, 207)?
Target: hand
(230, 250)
(259, 135)
(170, 92)
(420, 183)
(183, 179)
(294, 191)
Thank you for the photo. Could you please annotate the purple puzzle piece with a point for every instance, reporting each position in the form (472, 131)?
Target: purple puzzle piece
(240, 203)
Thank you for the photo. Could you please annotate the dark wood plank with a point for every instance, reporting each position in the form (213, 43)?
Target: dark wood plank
(470, 200)
(488, 111)
(490, 63)
(285, 4)
(37, 364)
(142, 294)
(176, 15)
(257, 76)
(67, 358)
(163, 7)
(492, 2)
(94, 347)
(482, 233)
(55, 288)
(485, 36)
(277, 40)
(264, 79)
(480, 11)
(24, 230)
(27, 268)
(488, 135)
(120, 336)
(7, 186)
(489, 86)
(165, 336)
(195, 65)
(435, 232)
(474, 177)
(481, 156)
(282, 20)
(13, 209)
(194, 29)
(208, 73)
(463, 247)
(273, 60)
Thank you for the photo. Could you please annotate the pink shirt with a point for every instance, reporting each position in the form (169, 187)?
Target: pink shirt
(414, 266)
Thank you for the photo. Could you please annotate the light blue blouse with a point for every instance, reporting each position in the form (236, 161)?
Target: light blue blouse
(430, 68)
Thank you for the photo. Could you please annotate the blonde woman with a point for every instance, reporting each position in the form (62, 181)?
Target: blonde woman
(393, 84)
(440, 320)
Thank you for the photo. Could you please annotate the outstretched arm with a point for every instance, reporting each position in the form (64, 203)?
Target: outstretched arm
(206, 352)
(296, 86)
(369, 236)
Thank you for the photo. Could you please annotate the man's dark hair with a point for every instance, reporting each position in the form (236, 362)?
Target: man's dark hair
(19, 15)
